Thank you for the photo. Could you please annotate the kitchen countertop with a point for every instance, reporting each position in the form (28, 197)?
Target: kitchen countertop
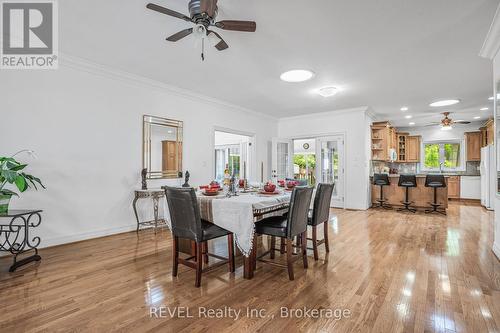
(444, 174)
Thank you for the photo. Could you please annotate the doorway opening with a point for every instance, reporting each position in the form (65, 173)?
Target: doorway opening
(232, 155)
(311, 161)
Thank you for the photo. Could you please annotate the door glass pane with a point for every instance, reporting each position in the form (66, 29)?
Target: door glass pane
(330, 165)
(283, 160)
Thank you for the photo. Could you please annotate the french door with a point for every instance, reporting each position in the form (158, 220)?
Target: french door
(330, 166)
(281, 159)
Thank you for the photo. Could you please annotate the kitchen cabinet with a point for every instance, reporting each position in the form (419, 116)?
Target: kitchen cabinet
(470, 187)
(413, 149)
(473, 142)
(454, 187)
(382, 140)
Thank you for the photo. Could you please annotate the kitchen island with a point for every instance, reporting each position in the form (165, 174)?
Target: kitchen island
(420, 195)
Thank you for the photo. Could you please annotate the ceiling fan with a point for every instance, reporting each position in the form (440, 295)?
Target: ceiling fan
(446, 123)
(203, 14)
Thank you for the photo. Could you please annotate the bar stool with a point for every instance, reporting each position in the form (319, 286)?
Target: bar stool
(381, 179)
(435, 182)
(407, 181)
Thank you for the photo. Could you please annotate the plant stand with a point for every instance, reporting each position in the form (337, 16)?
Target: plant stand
(14, 236)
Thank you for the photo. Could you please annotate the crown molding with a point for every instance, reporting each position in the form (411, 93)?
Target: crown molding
(491, 44)
(80, 64)
(340, 112)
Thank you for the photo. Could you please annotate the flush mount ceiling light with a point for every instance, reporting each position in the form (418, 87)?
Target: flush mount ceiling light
(408, 117)
(484, 109)
(446, 102)
(297, 75)
(328, 91)
(404, 108)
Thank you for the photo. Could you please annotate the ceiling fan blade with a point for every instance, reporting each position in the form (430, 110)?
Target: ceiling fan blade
(222, 45)
(167, 11)
(209, 7)
(248, 26)
(461, 122)
(180, 35)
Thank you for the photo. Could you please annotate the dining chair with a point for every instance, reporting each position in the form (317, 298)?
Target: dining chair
(320, 214)
(187, 224)
(287, 226)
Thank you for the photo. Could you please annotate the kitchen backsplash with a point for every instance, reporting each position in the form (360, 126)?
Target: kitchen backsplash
(472, 168)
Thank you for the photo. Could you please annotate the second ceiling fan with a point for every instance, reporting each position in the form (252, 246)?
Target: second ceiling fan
(203, 14)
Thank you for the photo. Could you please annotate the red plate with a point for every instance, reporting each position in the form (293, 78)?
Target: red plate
(210, 194)
(269, 193)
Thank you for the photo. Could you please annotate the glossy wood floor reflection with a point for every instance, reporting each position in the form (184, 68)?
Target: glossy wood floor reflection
(395, 273)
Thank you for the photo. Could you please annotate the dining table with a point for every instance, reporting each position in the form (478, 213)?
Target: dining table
(239, 213)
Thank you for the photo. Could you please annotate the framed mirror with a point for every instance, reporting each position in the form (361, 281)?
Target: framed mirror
(162, 147)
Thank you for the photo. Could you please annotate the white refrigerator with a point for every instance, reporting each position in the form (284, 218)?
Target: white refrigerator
(488, 177)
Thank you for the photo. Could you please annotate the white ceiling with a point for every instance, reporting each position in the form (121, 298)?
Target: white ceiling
(383, 54)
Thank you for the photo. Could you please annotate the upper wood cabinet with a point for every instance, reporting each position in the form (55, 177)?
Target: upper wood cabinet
(413, 149)
(487, 133)
(382, 140)
(473, 141)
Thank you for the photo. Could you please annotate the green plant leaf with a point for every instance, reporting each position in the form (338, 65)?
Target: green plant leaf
(19, 167)
(21, 183)
(9, 175)
(8, 192)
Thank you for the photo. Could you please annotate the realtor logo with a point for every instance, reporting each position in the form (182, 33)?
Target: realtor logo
(29, 34)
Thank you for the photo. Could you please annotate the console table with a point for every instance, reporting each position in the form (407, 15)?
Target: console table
(155, 195)
(15, 238)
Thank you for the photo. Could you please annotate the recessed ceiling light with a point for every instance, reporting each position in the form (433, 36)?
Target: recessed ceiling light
(446, 102)
(297, 75)
(477, 117)
(328, 91)
(411, 124)
(484, 109)
(404, 108)
(408, 117)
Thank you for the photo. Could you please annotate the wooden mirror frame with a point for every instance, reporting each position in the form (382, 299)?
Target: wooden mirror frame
(148, 122)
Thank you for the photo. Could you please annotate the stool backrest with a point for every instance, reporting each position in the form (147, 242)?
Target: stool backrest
(299, 210)
(435, 181)
(407, 181)
(184, 213)
(321, 208)
(381, 179)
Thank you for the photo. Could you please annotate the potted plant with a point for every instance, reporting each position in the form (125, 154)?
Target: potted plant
(11, 172)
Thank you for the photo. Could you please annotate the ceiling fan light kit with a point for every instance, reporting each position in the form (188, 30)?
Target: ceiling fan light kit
(203, 14)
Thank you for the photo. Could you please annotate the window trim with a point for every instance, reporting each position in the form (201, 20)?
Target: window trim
(462, 161)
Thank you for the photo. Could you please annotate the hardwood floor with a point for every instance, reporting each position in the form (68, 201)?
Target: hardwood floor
(394, 272)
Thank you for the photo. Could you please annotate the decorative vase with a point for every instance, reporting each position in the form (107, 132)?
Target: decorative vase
(4, 203)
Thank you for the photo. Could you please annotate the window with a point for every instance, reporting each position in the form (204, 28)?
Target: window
(442, 155)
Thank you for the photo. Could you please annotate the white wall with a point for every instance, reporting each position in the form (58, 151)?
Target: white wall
(354, 123)
(496, 78)
(434, 133)
(85, 124)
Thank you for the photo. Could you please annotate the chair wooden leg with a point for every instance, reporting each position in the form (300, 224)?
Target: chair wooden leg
(282, 245)
(230, 250)
(205, 252)
(273, 245)
(199, 254)
(304, 248)
(175, 256)
(315, 242)
(289, 259)
(327, 245)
